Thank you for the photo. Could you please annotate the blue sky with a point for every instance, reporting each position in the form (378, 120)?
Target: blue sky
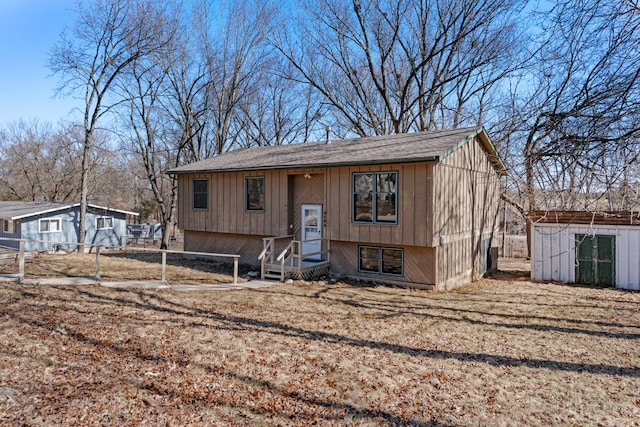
(28, 31)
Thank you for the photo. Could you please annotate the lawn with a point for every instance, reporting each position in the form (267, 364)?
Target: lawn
(502, 351)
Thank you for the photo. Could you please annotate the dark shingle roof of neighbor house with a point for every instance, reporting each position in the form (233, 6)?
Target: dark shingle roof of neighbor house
(399, 148)
(17, 209)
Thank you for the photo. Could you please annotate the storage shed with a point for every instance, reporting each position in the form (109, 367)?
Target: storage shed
(600, 248)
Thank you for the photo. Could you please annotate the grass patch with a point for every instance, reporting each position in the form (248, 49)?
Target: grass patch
(129, 266)
(502, 351)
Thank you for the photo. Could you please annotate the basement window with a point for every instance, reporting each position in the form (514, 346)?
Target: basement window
(50, 225)
(254, 193)
(200, 194)
(377, 260)
(374, 197)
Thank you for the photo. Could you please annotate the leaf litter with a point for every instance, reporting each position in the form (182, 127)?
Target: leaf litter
(501, 351)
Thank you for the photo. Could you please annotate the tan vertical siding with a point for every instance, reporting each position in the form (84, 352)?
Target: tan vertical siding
(235, 204)
(333, 230)
(245, 224)
(421, 221)
(218, 192)
(305, 191)
(431, 239)
(419, 264)
(344, 184)
(332, 188)
(407, 197)
(226, 212)
(183, 193)
(466, 200)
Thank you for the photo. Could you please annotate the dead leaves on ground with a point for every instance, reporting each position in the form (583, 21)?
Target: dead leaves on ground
(495, 353)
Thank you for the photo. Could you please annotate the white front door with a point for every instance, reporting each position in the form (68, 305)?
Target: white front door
(311, 231)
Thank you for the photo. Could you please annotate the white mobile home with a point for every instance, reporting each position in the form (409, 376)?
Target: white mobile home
(600, 248)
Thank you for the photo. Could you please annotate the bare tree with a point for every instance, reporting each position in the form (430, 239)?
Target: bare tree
(396, 66)
(236, 55)
(183, 100)
(156, 106)
(280, 111)
(28, 161)
(41, 162)
(574, 124)
(107, 37)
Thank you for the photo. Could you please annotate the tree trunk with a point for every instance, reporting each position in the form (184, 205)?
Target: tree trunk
(170, 219)
(84, 190)
(530, 197)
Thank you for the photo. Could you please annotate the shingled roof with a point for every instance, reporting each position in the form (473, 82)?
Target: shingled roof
(400, 148)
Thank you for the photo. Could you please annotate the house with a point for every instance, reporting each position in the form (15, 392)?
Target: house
(47, 223)
(411, 209)
(600, 248)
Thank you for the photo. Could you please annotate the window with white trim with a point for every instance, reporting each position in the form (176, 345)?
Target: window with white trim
(10, 226)
(373, 259)
(104, 222)
(374, 197)
(50, 225)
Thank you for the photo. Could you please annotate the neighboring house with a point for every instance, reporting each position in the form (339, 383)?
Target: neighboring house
(51, 222)
(600, 248)
(412, 209)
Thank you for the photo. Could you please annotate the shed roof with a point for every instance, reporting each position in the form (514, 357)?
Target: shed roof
(585, 217)
(14, 210)
(399, 148)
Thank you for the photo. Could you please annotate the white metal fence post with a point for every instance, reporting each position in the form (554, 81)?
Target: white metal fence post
(164, 266)
(21, 260)
(235, 270)
(98, 263)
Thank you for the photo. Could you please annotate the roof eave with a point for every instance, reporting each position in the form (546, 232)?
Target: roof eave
(314, 165)
(491, 149)
(112, 209)
(45, 211)
(482, 135)
(73, 205)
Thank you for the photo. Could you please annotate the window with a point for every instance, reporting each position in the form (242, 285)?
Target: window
(381, 260)
(104, 222)
(200, 194)
(50, 225)
(10, 226)
(374, 197)
(255, 193)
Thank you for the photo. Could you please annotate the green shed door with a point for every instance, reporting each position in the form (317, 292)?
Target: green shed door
(595, 256)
